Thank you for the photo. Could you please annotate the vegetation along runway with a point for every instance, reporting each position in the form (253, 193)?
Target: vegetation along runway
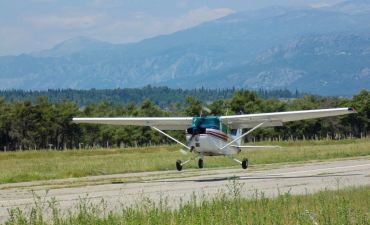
(177, 188)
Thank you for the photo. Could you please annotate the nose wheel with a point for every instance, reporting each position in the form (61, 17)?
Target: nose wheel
(200, 163)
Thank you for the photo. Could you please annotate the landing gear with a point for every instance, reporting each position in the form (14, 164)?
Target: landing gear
(200, 163)
(178, 165)
(245, 163)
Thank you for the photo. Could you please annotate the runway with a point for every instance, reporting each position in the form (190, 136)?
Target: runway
(127, 189)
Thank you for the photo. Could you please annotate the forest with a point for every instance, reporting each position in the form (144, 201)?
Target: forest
(28, 124)
(161, 96)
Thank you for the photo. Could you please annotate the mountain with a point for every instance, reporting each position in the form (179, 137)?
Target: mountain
(352, 7)
(72, 46)
(324, 51)
(326, 64)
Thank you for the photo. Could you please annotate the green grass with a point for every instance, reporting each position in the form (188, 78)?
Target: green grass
(45, 165)
(347, 206)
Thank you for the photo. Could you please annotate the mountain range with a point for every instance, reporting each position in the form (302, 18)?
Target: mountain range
(318, 50)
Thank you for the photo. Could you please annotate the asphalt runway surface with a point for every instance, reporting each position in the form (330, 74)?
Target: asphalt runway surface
(128, 189)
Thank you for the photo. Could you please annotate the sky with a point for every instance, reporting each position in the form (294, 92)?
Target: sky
(34, 25)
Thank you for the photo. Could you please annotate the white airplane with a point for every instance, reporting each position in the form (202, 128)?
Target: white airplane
(216, 135)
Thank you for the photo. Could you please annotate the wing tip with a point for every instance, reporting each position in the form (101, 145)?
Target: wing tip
(351, 110)
(75, 120)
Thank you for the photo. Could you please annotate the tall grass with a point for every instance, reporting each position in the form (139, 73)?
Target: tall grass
(348, 206)
(45, 165)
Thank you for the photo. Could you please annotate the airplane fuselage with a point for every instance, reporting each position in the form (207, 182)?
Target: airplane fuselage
(208, 135)
(210, 142)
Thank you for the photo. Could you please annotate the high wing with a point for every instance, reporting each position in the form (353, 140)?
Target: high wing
(162, 123)
(278, 118)
(237, 121)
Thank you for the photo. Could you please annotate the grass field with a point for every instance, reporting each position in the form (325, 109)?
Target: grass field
(347, 206)
(45, 165)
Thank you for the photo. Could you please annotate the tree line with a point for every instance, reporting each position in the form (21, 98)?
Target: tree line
(42, 124)
(161, 96)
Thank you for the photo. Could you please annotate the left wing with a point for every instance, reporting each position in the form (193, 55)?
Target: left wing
(163, 123)
(278, 118)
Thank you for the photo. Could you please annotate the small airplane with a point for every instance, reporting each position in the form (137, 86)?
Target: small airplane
(216, 135)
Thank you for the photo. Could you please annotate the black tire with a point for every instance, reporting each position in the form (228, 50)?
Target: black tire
(200, 163)
(178, 165)
(245, 163)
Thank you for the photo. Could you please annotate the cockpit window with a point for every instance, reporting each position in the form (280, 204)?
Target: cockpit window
(206, 122)
(233, 132)
(200, 124)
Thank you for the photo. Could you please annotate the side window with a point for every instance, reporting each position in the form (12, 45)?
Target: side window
(233, 132)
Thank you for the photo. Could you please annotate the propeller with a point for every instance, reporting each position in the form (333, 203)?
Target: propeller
(184, 152)
(196, 129)
(205, 108)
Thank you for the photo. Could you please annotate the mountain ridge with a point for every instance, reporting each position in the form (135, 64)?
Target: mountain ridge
(236, 47)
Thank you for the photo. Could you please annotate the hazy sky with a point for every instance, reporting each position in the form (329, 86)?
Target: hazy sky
(31, 25)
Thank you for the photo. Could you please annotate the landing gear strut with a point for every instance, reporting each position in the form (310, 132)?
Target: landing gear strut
(200, 163)
(245, 163)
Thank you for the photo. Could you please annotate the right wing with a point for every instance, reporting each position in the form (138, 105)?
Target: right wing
(278, 118)
(162, 123)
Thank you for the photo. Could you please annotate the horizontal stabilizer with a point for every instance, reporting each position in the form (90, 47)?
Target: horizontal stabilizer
(257, 146)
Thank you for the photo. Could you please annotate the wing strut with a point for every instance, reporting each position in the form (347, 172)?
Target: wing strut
(172, 138)
(241, 136)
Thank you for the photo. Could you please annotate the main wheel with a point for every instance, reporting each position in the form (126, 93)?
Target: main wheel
(178, 165)
(245, 163)
(200, 163)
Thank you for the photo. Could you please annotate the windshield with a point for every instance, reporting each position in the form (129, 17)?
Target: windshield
(206, 122)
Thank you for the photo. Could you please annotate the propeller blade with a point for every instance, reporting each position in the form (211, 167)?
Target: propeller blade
(206, 109)
(183, 152)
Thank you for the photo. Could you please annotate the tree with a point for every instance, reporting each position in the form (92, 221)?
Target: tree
(219, 107)
(193, 106)
(66, 134)
(4, 124)
(245, 102)
(360, 122)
